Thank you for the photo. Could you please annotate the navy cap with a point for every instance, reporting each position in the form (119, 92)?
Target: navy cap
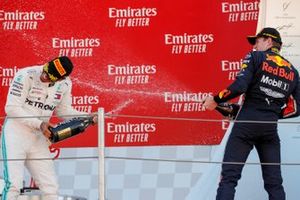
(59, 68)
(266, 32)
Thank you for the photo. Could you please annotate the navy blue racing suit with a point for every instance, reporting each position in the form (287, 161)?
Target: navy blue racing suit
(267, 80)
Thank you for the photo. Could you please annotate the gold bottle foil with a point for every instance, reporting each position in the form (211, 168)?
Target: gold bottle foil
(65, 133)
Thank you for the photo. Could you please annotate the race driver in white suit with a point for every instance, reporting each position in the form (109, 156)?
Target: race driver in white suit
(35, 93)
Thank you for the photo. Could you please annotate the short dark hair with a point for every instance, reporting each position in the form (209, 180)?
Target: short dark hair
(277, 45)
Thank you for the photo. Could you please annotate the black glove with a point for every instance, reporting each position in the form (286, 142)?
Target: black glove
(229, 110)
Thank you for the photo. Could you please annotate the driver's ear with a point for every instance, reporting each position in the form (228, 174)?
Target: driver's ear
(270, 40)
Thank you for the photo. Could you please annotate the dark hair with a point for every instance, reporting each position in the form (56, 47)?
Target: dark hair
(277, 45)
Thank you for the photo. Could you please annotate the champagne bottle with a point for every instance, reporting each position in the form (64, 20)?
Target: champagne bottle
(228, 109)
(69, 128)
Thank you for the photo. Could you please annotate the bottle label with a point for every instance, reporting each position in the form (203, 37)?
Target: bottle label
(63, 134)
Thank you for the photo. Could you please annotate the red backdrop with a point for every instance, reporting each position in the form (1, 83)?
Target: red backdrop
(145, 58)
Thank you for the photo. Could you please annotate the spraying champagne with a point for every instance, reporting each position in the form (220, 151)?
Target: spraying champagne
(69, 128)
(229, 110)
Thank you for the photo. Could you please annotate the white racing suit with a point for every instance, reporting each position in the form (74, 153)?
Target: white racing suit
(21, 137)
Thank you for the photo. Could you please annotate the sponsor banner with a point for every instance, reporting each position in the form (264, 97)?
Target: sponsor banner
(75, 47)
(154, 60)
(230, 68)
(238, 11)
(144, 132)
(6, 75)
(131, 132)
(132, 17)
(186, 101)
(188, 43)
(19, 20)
(85, 103)
(128, 74)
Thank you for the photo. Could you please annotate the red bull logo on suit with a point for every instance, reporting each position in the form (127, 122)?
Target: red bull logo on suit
(278, 71)
(279, 61)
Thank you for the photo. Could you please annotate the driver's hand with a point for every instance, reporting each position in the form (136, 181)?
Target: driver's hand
(45, 129)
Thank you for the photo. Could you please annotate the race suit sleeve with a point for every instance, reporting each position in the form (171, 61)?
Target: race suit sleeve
(65, 109)
(241, 82)
(16, 98)
(292, 108)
